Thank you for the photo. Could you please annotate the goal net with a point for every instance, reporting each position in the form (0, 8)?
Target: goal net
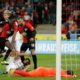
(70, 57)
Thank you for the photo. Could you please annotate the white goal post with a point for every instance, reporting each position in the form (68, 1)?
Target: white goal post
(58, 39)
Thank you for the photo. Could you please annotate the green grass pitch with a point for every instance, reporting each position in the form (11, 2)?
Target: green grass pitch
(46, 60)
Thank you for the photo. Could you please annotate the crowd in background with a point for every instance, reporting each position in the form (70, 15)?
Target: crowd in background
(40, 12)
(70, 16)
(23, 9)
(71, 9)
(45, 12)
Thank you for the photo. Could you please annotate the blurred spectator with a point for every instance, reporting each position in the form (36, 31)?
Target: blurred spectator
(76, 14)
(12, 7)
(71, 7)
(35, 18)
(20, 2)
(7, 5)
(52, 12)
(70, 15)
(1, 8)
(69, 24)
(63, 13)
(29, 9)
(17, 11)
(22, 11)
(1, 5)
(25, 1)
(39, 10)
(73, 33)
(46, 13)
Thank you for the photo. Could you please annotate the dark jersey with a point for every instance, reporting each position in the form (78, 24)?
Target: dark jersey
(27, 31)
(2, 21)
(8, 30)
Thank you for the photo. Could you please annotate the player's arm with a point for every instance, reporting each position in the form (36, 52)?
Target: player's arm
(17, 54)
(22, 54)
(31, 28)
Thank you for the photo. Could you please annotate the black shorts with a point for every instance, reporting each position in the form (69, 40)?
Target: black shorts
(25, 46)
(2, 44)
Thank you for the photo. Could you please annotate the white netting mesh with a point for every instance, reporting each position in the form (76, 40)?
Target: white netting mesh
(71, 30)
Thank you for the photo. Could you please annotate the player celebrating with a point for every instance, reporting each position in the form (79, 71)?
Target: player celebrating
(28, 32)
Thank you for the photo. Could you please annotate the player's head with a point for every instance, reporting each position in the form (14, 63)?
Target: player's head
(20, 20)
(6, 14)
(26, 62)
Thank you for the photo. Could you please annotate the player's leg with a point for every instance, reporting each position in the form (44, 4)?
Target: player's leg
(2, 45)
(4, 62)
(7, 54)
(32, 50)
(8, 45)
(34, 57)
(22, 50)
